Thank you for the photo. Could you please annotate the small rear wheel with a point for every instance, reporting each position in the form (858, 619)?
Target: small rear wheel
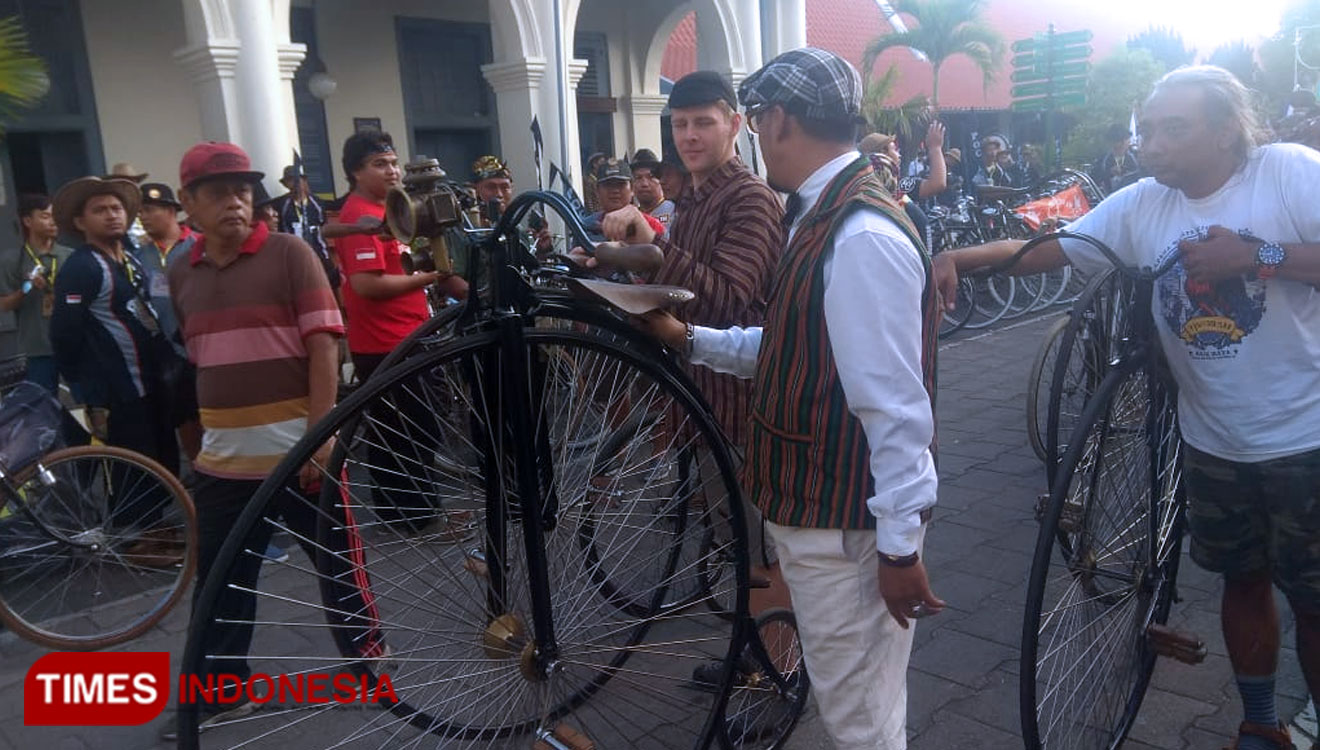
(770, 685)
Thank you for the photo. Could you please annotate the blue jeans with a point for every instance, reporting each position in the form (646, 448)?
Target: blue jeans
(41, 370)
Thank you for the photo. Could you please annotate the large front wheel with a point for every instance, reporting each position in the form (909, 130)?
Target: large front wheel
(416, 564)
(1104, 570)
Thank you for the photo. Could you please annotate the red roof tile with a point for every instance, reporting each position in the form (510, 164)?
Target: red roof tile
(681, 53)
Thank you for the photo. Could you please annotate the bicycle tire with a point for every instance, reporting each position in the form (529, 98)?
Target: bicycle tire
(1107, 549)
(628, 667)
(1030, 292)
(1057, 282)
(994, 297)
(964, 308)
(1042, 367)
(101, 585)
(1083, 359)
(771, 687)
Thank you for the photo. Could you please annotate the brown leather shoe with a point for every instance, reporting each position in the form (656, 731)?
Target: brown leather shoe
(1277, 735)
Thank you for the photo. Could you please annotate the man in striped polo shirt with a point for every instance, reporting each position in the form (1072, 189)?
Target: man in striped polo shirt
(260, 322)
(839, 452)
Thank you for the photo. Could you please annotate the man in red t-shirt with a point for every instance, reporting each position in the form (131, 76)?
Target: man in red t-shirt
(384, 304)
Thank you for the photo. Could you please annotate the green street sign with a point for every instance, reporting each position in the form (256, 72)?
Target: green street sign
(1040, 104)
(1081, 36)
(1040, 88)
(1041, 39)
(1040, 58)
(1062, 70)
(1026, 75)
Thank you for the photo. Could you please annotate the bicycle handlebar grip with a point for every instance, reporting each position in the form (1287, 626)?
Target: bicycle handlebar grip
(642, 259)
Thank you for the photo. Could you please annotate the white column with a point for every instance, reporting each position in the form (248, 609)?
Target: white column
(644, 112)
(243, 72)
(747, 14)
(211, 66)
(785, 27)
(260, 103)
(517, 84)
(291, 56)
(528, 81)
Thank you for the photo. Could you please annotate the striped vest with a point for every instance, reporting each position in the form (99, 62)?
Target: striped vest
(807, 460)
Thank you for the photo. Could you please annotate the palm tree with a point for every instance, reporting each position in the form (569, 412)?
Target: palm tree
(902, 120)
(944, 28)
(23, 79)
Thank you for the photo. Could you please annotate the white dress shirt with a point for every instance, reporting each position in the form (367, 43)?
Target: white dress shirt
(874, 282)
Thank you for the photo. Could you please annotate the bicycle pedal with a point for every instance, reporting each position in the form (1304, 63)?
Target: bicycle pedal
(563, 738)
(1187, 648)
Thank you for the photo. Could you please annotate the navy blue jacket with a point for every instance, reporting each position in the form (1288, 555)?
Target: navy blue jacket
(100, 340)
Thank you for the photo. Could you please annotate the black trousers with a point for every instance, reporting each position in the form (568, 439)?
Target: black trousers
(143, 425)
(404, 432)
(344, 588)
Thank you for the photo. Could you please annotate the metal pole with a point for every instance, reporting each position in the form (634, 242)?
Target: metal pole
(562, 75)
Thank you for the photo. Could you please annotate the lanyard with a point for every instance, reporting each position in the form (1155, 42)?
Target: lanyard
(36, 261)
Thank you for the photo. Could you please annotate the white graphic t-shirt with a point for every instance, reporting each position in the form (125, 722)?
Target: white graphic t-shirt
(1245, 352)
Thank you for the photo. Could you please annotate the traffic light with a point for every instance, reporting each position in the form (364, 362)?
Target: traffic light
(1049, 70)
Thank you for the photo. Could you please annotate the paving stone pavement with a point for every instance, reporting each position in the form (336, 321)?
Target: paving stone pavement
(963, 678)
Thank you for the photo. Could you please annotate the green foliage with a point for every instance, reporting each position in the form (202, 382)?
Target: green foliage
(943, 28)
(23, 79)
(1165, 45)
(902, 120)
(1116, 84)
(1237, 58)
(1276, 53)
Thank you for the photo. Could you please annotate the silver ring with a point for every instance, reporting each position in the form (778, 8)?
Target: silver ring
(917, 610)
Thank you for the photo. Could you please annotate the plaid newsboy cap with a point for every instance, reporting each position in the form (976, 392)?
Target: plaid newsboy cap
(810, 82)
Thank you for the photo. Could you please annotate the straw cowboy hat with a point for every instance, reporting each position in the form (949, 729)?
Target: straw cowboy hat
(71, 198)
(125, 171)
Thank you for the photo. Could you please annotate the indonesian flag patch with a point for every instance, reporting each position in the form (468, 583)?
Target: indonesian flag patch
(73, 299)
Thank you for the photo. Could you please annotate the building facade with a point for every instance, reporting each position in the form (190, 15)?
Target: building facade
(139, 81)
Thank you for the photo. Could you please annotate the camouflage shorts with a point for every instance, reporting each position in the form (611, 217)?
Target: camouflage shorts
(1259, 517)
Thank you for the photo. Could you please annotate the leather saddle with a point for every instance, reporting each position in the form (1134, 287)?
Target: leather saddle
(634, 299)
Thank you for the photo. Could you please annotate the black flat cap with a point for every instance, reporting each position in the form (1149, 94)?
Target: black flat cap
(700, 88)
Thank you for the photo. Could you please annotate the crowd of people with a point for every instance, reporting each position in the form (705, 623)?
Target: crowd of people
(812, 337)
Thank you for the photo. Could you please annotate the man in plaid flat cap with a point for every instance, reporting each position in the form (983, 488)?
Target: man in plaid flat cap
(842, 401)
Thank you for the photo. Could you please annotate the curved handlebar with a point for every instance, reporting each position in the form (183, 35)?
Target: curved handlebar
(524, 203)
(1132, 272)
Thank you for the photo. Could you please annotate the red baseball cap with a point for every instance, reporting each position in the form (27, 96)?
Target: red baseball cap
(213, 159)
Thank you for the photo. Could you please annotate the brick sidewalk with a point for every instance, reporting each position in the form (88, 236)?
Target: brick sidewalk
(963, 681)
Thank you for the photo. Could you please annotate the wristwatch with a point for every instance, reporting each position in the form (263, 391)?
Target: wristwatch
(899, 561)
(1268, 259)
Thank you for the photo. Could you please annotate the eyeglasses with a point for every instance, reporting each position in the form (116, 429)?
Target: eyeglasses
(755, 112)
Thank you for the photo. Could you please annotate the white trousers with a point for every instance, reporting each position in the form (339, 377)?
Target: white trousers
(856, 654)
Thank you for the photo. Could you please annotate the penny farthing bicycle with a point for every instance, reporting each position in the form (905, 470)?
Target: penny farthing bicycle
(1107, 554)
(540, 519)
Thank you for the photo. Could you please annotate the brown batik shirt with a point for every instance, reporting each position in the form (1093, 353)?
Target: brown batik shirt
(724, 242)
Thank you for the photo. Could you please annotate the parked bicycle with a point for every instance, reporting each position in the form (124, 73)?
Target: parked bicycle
(1106, 561)
(97, 544)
